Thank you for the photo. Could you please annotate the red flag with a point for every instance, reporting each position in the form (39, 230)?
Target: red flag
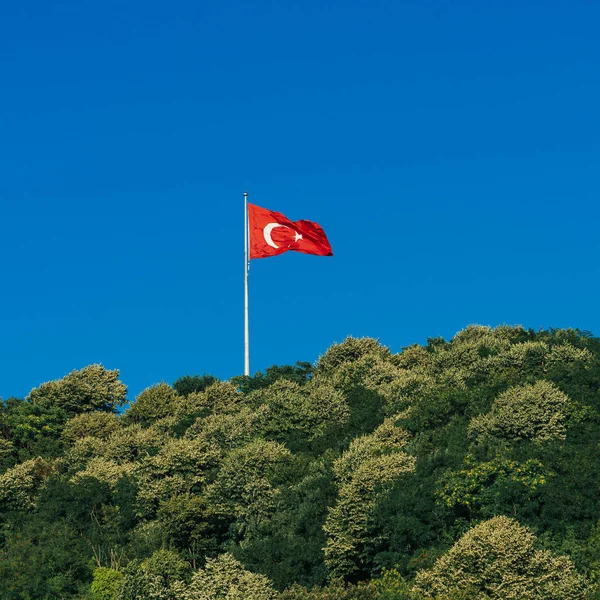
(271, 233)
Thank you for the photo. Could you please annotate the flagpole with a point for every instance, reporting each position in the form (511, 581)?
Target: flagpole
(246, 267)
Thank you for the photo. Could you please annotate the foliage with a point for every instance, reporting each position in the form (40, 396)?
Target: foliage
(106, 584)
(350, 350)
(153, 403)
(7, 451)
(335, 591)
(43, 558)
(99, 425)
(189, 384)
(156, 578)
(19, 484)
(534, 412)
(301, 414)
(363, 471)
(245, 489)
(30, 430)
(224, 577)
(392, 586)
(498, 559)
(180, 466)
(299, 373)
(489, 484)
(372, 474)
(91, 388)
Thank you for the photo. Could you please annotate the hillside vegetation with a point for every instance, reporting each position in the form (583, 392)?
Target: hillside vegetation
(465, 469)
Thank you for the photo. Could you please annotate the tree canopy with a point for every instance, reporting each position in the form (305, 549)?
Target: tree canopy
(464, 468)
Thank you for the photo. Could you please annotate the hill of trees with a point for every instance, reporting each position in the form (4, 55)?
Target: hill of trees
(465, 469)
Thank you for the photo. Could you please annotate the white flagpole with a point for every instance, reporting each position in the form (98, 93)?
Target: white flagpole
(246, 267)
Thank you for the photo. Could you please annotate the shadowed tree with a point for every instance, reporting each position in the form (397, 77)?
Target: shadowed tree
(299, 373)
(188, 384)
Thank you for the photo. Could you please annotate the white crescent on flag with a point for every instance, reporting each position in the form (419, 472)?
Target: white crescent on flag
(267, 233)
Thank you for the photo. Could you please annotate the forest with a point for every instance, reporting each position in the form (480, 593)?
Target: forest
(460, 469)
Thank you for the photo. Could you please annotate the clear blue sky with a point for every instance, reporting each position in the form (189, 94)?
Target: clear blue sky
(450, 150)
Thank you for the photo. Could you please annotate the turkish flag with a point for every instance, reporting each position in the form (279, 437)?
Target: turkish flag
(271, 234)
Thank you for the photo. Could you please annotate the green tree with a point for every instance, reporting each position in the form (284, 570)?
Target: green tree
(99, 425)
(299, 415)
(43, 559)
(153, 403)
(289, 547)
(372, 466)
(534, 412)
(350, 350)
(334, 591)
(32, 430)
(229, 430)
(498, 559)
(225, 578)
(7, 453)
(364, 471)
(159, 577)
(189, 384)
(19, 485)
(191, 524)
(246, 486)
(299, 373)
(106, 584)
(488, 488)
(180, 466)
(91, 388)
(219, 398)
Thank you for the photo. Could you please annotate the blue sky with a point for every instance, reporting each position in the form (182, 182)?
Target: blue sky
(450, 150)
